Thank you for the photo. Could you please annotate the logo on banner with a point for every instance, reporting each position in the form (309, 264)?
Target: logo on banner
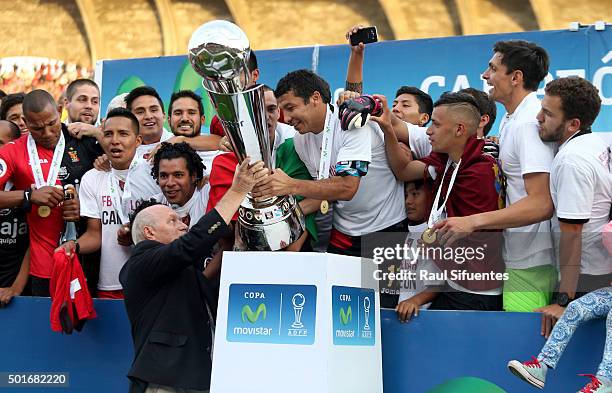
(253, 316)
(346, 317)
(353, 318)
(270, 313)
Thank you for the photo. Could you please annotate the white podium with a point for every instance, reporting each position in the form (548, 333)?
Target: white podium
(297, 322)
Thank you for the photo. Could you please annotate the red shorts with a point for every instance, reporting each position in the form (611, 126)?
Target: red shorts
(118, 294)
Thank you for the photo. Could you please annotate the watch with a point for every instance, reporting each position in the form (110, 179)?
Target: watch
(563, 299)
(26, 205)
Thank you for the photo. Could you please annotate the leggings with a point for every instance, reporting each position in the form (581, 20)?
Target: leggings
(596, 304)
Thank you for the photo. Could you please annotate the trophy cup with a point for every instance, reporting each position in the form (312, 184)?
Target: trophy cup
(219, 52)
(298, 301)
(366, 309)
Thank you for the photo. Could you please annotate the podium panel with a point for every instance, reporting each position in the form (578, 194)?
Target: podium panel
(299, 322)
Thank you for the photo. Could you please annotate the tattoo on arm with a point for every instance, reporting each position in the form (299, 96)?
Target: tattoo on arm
(357, 87)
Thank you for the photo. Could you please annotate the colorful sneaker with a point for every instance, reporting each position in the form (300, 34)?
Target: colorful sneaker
(532, 371)
(597, 385)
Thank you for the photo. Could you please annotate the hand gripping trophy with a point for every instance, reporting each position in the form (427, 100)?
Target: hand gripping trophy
(219, 52)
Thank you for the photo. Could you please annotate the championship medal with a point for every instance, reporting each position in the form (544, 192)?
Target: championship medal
(324, 207)
(429, 236)
(44, 211)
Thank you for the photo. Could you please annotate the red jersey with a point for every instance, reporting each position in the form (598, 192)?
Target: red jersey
(215, 127)
(44, 231)
(15, 166)
(221, 177)
(71, 303)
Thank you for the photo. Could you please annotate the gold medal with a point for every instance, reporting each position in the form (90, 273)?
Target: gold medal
(44, 211)
(324, 207)
(429, 236)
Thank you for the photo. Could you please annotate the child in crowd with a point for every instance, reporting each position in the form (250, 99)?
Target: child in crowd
(413, 290)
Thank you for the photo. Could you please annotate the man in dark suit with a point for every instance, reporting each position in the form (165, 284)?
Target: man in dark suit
(167, 296)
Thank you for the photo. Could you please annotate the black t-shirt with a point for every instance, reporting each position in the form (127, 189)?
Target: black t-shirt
(79, 156)
(14, 242)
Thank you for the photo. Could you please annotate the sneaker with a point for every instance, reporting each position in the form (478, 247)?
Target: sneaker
(532, 371)
(597, 385)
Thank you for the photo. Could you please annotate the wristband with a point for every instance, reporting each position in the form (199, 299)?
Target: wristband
(26, 205)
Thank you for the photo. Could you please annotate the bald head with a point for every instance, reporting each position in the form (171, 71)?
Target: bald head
(158, 223)
(37, 101)
(9, 131)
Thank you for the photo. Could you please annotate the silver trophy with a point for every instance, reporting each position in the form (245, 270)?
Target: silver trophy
(219, 52)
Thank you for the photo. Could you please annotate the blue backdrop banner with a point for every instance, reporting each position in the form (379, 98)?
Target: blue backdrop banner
(434, 65)
(438, 352)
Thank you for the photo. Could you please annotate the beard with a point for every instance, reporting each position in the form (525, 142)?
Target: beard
(552, 136)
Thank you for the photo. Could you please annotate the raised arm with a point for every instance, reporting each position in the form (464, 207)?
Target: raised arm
(402, 165)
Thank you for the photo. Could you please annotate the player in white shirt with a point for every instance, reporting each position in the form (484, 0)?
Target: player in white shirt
(363, 204)
(102, 201)
(146, 104)
(514, 73)
(179, 171)
(581, 189)
(185, 117)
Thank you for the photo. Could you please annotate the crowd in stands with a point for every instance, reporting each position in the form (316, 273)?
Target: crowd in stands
(23, 74)
(538, 197)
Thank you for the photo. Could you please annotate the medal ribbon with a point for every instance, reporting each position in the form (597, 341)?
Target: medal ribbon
(435, 213)
(120, 200)
(58, 154)
(328, 138)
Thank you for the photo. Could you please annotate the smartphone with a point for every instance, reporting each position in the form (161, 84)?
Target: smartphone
(367, 35)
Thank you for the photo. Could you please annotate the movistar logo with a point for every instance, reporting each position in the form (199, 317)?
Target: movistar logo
(346, 317)
(247, 313)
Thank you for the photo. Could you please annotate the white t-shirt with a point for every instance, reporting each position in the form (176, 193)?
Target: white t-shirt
(143, 186)
(96, 202)
(195, 207)
(143, 151)
(581, 188)
(418, 140)
(282, 132)
(379, 201)
(410, 288)
(141, 183)
(523, 152)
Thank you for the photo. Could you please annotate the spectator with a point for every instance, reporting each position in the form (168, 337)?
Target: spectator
(167, 297)
(14, 253)
(581, 189)
(103, 203)
(61, 160)
(514, 73)
(415, 292)
(470, 188)
(11, 110)
(596, 304)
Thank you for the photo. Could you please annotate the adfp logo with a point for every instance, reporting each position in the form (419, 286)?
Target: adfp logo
(298, 302)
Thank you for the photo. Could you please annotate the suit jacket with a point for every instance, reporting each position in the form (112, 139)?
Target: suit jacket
(165, 298)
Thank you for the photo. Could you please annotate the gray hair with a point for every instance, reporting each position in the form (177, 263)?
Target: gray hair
(143, 219)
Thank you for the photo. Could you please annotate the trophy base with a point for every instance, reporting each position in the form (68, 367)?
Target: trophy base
(271, 225)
